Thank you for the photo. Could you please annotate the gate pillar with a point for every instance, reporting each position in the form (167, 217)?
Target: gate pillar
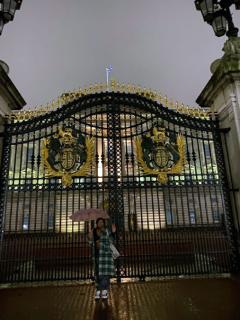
(222, 96)
(10, 99)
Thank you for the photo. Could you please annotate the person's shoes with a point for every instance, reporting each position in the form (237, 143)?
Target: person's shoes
(104, 294)
(98, 295)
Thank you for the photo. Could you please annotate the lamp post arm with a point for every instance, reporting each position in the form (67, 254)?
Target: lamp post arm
(232, 30)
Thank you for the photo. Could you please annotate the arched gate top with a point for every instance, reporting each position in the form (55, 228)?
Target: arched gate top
(101, 102)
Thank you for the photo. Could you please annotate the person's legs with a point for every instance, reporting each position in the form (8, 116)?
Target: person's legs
(104, 282)
(97, 280)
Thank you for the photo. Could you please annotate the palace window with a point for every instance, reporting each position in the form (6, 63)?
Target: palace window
(50, 220)
(169, 217)
(192, 217)
(25, 224)
(216, 216)
(207, 150)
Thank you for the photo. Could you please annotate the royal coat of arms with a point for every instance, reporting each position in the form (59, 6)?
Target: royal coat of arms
(68, 154)
(160, 155)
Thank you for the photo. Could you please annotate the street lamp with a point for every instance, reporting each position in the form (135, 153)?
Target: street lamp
(7, 11)
(217, 14)
(219, 24)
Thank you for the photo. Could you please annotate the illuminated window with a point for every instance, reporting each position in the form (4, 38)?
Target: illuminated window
(50, 220)
(25, 224)
(169, 217)
(192, 216)
(216, 216)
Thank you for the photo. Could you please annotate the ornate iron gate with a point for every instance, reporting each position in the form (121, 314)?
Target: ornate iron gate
(171, 207)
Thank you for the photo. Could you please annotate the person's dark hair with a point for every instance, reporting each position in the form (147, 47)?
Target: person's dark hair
(99, 219)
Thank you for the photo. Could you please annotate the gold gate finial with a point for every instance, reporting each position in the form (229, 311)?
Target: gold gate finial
(70, 96)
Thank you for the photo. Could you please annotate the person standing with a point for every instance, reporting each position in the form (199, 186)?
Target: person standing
(100, 239)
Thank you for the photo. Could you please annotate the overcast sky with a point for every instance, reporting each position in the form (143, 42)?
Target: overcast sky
(53, 46)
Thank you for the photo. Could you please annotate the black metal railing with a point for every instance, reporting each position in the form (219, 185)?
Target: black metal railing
(181, 227)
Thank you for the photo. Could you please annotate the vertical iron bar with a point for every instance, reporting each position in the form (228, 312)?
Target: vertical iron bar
(115, 172)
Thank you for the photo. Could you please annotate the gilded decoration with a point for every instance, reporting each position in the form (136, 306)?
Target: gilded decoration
(67, 154)
(160, 155)
(65, 98)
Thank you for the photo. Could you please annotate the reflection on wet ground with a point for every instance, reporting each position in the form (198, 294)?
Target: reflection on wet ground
(168, 299)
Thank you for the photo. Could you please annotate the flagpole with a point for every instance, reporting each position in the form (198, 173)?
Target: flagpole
(108, 70)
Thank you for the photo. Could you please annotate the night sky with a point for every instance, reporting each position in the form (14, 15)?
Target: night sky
(53, 46)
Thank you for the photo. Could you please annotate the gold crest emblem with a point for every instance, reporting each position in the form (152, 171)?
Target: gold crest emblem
(159, 155)
(68, 154)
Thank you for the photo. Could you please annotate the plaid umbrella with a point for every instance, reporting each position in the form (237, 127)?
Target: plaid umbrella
(89, 214)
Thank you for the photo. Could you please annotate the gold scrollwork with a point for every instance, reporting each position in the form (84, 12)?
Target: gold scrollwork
(115, 86)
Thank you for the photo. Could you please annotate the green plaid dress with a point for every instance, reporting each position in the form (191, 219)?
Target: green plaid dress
(105, 260)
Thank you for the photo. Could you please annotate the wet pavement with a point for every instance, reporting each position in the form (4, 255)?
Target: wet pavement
(180, 299)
